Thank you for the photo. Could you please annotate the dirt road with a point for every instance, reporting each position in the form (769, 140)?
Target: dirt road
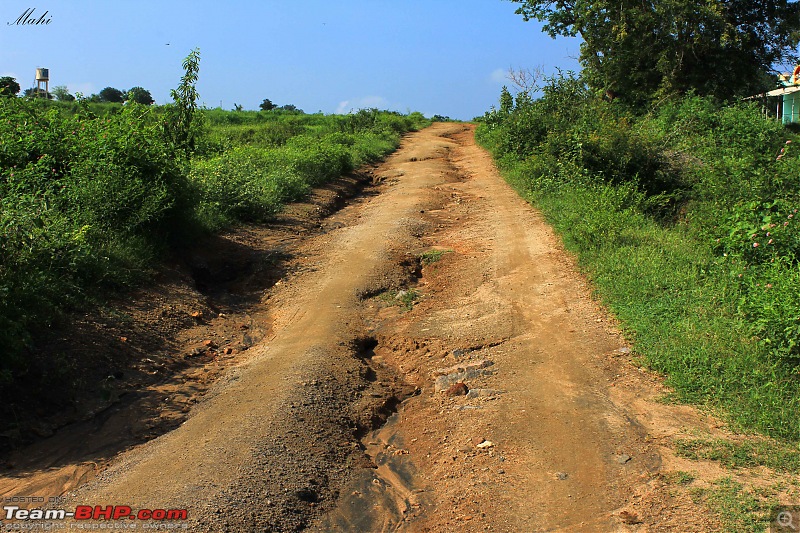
(436, 364)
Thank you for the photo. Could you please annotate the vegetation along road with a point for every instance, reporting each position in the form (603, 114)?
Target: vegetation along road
(263, 321)
(429, 359)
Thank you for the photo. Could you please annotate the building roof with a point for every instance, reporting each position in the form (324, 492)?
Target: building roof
(775, 92)
(783, 90)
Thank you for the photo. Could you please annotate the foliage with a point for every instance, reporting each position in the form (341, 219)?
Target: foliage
(62, 94)
(182, 123)
(506, 101)
(110, 94)
(267, 105)
(645, 50)
(255, 161)
(9, 86)
(139, 95)
(83, 199)
(685, 220)
(430, 257)
(405, 298)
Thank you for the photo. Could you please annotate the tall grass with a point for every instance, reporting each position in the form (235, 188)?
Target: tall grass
(249, 171)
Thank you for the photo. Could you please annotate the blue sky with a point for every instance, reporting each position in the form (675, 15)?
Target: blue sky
(445, 57)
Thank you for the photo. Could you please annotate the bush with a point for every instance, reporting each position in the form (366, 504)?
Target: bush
(254, 175)
(84, 199)
(244, 184)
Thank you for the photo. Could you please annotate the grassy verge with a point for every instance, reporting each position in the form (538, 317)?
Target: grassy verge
(684, 221)
(248, 171)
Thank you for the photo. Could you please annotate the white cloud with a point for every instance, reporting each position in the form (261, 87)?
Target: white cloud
(365, 102)
(499, 75)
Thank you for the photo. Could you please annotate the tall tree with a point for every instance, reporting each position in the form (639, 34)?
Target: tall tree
(267, 105)
(645, 49)
(9, 86)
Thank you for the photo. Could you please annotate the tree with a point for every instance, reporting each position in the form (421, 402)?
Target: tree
(140, 96)
(9, 86)
(640, 50)
(185, 122)
(291, 107)
(506, 101)
(267, 105)
(110, 94)
(62, 94)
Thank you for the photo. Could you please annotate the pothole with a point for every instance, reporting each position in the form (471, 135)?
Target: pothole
(404, 275)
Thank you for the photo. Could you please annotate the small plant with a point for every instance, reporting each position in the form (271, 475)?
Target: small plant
(678, 477)
(432, 256)
(404, 298)
(184, 124)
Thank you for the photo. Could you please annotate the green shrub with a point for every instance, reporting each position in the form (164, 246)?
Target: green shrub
(84, 198)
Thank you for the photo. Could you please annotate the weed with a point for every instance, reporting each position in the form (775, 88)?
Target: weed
(678, 477)
(432, 256)
(404, 298)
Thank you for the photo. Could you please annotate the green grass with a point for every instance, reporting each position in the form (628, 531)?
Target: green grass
(429, 257)
(746, 454)
(679, 478)
(404, 298)
(740, 510)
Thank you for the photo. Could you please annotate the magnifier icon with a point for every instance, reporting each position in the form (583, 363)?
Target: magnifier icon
(784, 519)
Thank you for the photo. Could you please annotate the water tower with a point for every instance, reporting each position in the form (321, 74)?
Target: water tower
(43, 77)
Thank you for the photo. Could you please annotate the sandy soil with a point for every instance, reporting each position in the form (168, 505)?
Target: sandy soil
(386, 388)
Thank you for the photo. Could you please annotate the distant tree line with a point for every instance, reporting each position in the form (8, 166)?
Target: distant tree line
(267, 105)
(10, 87)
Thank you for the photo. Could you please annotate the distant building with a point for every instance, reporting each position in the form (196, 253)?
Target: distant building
(788, 95)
